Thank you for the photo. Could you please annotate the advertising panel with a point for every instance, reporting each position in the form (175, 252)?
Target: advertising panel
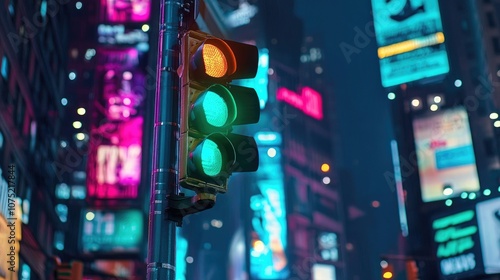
(129, 11)
(106, 231)
(410, 37)
(445, 154)
(114, 164)
(488, 215)
(457, 248)
(268, 236)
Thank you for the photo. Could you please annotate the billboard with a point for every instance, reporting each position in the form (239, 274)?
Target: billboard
(268, 237)
(114, 163)
(105, 231)
(488, 215)
(445, 154)
(125, 11)
(456, 241)
(410, 37)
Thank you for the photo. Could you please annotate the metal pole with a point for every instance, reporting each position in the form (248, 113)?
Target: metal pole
(161, 241)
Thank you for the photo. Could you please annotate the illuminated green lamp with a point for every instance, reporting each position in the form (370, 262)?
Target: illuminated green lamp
(211, 158)
(213, 111)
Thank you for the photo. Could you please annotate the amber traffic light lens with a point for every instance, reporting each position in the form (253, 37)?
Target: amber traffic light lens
(215, 61)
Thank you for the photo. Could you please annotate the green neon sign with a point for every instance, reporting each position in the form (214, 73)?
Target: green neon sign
(452, 238)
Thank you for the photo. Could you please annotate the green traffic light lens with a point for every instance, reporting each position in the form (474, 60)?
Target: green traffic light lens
(215, 108)
(211, 158)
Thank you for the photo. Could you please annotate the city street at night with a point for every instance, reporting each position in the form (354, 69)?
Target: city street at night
(249, 140)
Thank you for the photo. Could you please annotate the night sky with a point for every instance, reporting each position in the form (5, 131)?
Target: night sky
(364, 124)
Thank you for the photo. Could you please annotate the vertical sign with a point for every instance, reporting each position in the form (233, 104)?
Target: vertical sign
(268, 246)
(456, 242)
(445, 154)
(411, 40)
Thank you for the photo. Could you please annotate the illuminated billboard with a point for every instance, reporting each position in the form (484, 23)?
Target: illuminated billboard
(125, 11)
(457, 247)
(410, 37)
(268, 259)
(445, 154)
(115, 154)
(105, 231)
(488, 215)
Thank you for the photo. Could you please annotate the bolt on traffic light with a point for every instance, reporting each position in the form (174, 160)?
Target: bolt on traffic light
(209, 153)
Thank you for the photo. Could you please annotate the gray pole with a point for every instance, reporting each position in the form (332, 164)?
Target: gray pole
(161, 239)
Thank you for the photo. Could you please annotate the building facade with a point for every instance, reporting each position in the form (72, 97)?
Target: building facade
(34, 38)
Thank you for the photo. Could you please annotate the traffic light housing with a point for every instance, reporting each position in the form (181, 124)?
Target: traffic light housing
(388, 271)
(209, 152)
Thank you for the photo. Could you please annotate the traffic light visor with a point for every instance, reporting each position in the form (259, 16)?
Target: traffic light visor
(213, 59)
(213, 110)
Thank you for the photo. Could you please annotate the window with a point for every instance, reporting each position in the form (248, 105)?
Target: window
(496, 45)
(490, 18)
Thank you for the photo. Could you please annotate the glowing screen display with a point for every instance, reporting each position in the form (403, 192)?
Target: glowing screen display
(445, 155)
(411, 41)
(112, 231)
(456, 244)
(268, 246)
(121, 11)
(115, 154)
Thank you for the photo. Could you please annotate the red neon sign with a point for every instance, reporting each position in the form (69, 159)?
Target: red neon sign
(308, 101)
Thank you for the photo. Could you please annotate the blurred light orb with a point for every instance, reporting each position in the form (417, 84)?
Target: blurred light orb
(89, 216)
(77, 124)
(326, 180)
(458, 83)
(271, 152)
(391, 96)
(81, 111)
(415, 102)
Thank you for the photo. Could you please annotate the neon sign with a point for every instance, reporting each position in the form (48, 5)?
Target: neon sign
(268, 258)
(308, 101)
(125, 10)
(454, 236)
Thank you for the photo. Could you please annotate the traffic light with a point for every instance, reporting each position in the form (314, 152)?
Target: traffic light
(387, 271)
(209, 152)
(69, 271)
(411, 270)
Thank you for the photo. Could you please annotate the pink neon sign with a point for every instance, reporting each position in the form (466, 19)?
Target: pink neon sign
(126, 10)
(309, 101)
